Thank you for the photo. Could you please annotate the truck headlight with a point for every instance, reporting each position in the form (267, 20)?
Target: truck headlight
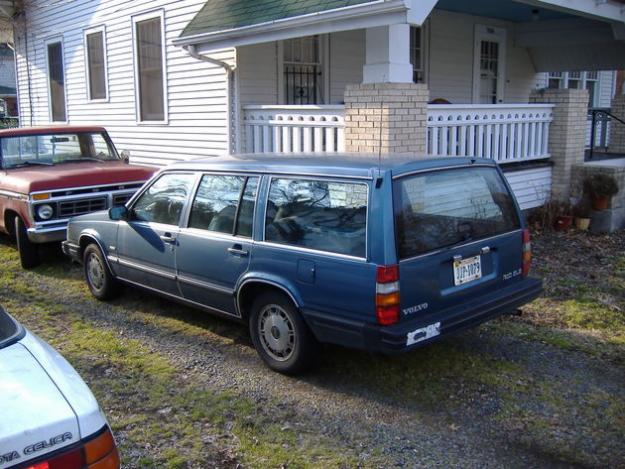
(45, 212)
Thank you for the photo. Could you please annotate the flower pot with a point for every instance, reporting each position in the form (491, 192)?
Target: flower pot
(562, 222)
(582, 223)
(600, 203)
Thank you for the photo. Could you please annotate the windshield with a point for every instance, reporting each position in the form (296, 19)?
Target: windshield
(442, 208)
(55, 149)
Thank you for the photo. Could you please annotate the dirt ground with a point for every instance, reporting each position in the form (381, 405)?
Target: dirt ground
(183, 389)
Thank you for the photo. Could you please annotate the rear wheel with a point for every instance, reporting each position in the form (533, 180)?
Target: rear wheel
(99, 278)
(29, 252)
(280, 335)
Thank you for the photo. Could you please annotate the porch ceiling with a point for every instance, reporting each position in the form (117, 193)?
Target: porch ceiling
(501, 9)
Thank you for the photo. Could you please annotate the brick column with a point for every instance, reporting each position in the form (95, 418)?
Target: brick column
(617, 129)
(567, 134)
(390, 117)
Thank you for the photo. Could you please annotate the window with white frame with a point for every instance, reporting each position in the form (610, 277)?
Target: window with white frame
(555, 80)
(417, 54)
(56, 80)
(577, 80)
(592, 85)
(95, 57)
(303, 81)
(574, 81)
(149, 67)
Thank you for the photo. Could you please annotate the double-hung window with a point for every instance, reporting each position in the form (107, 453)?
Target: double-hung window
(303, 79)
(95, 57)
(56, 80)
(417, 54)
(149, 46)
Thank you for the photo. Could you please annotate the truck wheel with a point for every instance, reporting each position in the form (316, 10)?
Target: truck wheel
(99, 278)
(29, 252)
(280, 335)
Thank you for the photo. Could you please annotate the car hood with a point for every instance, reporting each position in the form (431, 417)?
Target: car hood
(67, 175)
(45, 405)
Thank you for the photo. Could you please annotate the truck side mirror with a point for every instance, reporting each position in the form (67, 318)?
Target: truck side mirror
(125, 154)
(118, 213)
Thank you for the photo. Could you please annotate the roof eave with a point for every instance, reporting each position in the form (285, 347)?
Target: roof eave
(371, 14)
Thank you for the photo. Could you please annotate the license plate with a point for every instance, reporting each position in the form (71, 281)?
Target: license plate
(467, 270)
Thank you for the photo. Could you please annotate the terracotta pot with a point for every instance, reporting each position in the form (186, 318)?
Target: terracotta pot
(562, 222)
(600, 203)
(582, 223)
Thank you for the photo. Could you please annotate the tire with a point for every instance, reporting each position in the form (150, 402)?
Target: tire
(99, 279)
(273, 320)
(29, 252)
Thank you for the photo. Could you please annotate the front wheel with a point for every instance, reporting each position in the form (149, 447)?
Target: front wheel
(99, 278)
(29, 252)
(280, 335)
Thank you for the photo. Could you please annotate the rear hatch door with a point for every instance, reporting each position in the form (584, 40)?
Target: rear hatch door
(458, 237)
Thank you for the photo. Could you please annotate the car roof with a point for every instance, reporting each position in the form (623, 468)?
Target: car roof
(336, 164)
(53, 129)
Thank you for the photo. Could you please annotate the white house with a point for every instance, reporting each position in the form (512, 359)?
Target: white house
(191, 78)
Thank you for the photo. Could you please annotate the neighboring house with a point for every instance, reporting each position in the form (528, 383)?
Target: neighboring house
(174, 80)
(7, 80)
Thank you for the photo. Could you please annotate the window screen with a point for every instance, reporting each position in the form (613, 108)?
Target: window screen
(95, 62)
(150, 68)
(443, 208)
(317, 214)
(56, 76)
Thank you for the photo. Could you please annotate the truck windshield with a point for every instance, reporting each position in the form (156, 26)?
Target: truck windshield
(55, 149)
(443, 208)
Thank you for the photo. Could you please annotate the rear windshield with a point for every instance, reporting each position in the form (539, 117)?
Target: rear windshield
(442, 208)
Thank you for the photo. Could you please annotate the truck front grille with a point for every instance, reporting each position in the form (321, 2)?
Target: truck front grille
(72, 208)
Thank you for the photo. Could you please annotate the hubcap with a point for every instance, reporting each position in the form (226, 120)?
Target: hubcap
(95, 271)
(276, 332)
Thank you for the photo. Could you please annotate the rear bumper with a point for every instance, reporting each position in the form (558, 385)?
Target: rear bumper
(421, 330)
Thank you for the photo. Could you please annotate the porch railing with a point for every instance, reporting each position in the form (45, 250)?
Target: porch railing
(505, 133)
(294, 129)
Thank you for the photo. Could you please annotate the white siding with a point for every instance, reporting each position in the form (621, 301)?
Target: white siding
(607, 81)
(451, 59)
(347, 56)
(531, 187)
(197, 91)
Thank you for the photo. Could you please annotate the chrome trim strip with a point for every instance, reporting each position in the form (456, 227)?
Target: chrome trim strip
(315, 251)
(443, 168)
(145, 268)
(202, 284)
(49, 191)
(459, 245)
(14, 195)
(269, 170)
(180, 298)
(88, 195)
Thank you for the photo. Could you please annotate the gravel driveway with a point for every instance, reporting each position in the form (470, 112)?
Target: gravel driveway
(183, 389)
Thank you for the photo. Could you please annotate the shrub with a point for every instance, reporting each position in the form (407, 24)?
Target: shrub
(599, 186)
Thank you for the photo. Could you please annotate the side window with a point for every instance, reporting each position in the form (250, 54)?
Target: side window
(216, 206)
(315, 214)
(163, 201)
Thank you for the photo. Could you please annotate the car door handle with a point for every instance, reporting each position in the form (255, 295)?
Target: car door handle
(168, 238)
(237, 250)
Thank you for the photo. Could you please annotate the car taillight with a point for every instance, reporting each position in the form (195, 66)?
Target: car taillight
(98, 453)
(527, 253)
(387, 295)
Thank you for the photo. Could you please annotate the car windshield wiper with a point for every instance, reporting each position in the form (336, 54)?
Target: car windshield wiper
(30, 163)
(84, 158)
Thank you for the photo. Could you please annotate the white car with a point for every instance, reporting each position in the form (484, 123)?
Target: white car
(49, 418)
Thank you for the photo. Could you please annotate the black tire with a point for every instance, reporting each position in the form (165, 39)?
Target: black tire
(101, 282)
(278, 351)
(29, 252)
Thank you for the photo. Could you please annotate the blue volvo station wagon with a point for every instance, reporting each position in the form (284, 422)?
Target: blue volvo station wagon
(380, 256)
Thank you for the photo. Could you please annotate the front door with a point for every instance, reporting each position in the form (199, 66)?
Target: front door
(489, 65)
(215, 246)
(146, 243)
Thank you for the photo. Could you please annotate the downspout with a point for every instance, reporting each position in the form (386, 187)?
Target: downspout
(229, 69)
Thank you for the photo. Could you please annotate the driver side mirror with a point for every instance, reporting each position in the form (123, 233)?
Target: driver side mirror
(118, 213)
(125, 154)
